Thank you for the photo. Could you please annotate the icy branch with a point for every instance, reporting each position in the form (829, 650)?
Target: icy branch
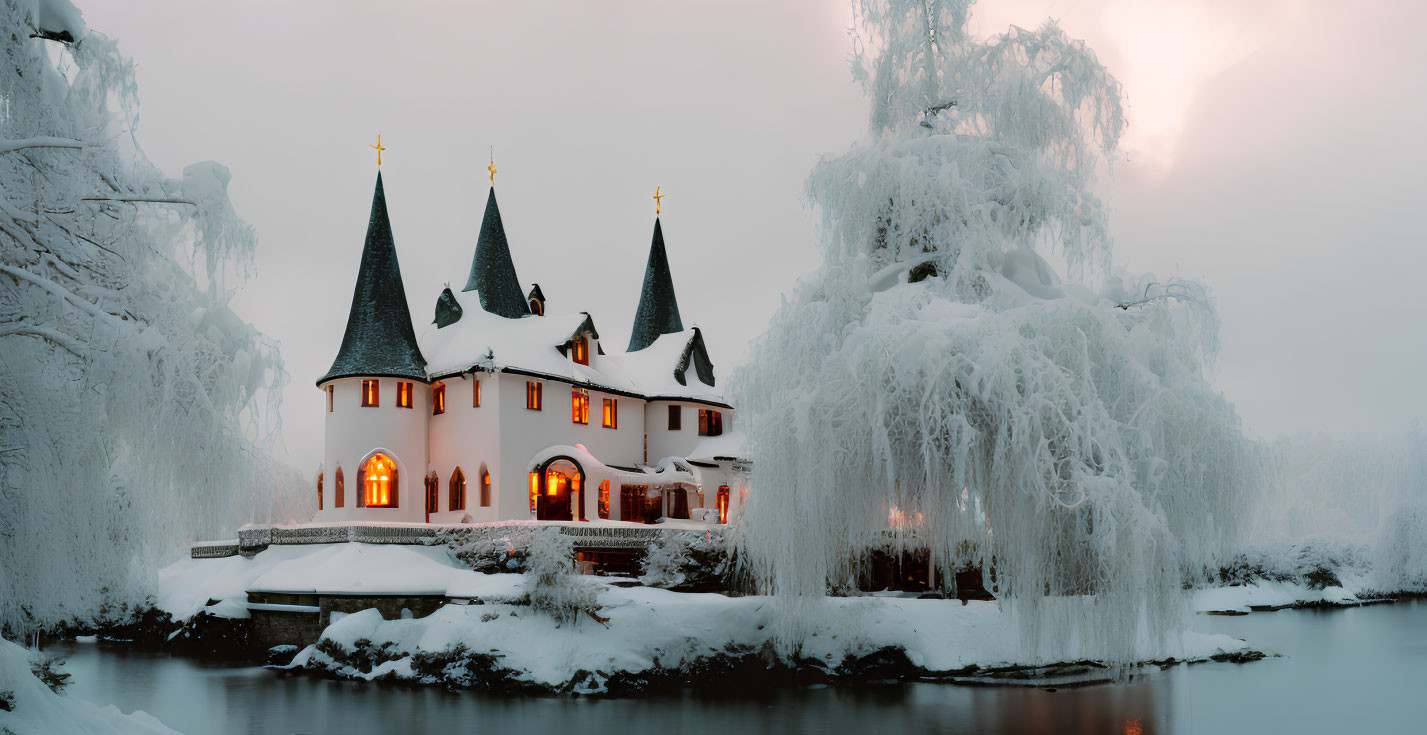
(7, 146)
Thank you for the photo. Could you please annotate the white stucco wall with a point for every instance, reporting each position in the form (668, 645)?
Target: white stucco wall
(467, 436)
(665, 443)
(354, 431)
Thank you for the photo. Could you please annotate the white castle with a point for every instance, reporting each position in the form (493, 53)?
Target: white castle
(501, 411)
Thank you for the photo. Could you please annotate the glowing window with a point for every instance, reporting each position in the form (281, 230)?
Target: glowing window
(328, 390)
(371, 393)
(723, 504)
(580, 349)
(438, 399)
(378, 482)
(579, 405)
(604, 499)
(403, 394)
(676, 418)
(534, 490)
(537, 308)
(532, 394)
(710, 422)
(610, 416)
(476, 394)
(319, 491)
(458, 490)
(485, 488)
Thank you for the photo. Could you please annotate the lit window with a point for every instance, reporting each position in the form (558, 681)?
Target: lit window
(579, 405)
(532, 394)
(338, 493)
(371, 393)
(604, 499)
(378, 481)
(611, 414)
(534, 490)
(433, 481)
(580, 348)
(485, 488)
(438, 399)
(403, 394)
(458, 490)
(723, 504)
(319, 491)
(676, 418)
(710, 422)
(328, 389)
(537, 308)
(476, 394)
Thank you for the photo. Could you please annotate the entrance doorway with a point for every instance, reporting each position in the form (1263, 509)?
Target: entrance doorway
(559, 483)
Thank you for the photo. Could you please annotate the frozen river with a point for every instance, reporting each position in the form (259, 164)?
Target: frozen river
(1341, 671)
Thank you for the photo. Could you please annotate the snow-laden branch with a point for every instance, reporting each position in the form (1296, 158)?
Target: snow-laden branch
(7, 146)
(59, 338)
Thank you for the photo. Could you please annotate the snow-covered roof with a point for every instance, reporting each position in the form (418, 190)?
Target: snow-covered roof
(672, 366)
(533, 344)
(728, 445)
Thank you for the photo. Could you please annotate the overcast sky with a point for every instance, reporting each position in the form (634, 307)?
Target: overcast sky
(1275, 153)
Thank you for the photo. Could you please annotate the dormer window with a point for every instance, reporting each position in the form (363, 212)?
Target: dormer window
(403, 394)
(371, 393)
(532, 394)
(580, 350)
(537, 308)
(438, 399)
(579, 405)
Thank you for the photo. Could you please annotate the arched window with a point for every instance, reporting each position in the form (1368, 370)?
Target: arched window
(485, 487)
(723, 504)
(457, 487)
(378, 481)
(337, 495)
(319, 491)
(556, 490)
(537, 308)
(433, 481)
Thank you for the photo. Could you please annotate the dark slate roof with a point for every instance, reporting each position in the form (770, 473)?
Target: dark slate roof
(586, 329)
(448, 311)
(380, 341)
(658, 311)
(535, 293)
(492, 271)
(696, 353)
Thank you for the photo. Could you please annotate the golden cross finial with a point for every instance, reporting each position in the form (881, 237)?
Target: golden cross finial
(657, 200)
(379, 148)
(491, 167)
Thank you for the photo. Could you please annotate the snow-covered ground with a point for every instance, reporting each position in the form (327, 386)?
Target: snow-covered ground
(28, 706)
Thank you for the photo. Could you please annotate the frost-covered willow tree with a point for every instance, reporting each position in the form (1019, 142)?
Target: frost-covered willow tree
(133, 402)
(935, 385)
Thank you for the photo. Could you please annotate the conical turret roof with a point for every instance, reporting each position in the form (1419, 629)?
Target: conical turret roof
(492, 271)
(380, 341)
(658, 311)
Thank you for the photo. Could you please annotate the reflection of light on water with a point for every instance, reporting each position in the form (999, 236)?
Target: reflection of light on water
(1132, 727)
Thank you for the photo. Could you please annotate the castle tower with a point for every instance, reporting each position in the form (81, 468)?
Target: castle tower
(658, 311)
(377, 397)
(492, 271)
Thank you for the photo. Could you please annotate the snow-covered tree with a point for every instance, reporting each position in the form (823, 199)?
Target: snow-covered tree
(935, 383)
(135, 407)
(552, 585)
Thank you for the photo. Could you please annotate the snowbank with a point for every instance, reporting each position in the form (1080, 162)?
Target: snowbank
(28, 706)
(652, 630)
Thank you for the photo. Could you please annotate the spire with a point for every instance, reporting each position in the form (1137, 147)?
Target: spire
(380, 341)
(492, 272)
(658, 311)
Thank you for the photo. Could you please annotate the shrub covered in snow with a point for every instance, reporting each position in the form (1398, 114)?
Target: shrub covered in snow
(552, 584)
(1318, 562)
(686, 561)
(491, 550)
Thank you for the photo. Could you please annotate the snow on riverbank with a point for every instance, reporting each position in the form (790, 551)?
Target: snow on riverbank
(28, 706)
(652, 630)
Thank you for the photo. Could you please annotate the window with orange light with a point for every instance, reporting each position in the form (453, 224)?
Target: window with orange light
(378, 482)
(532, 394)
(458, 490)
(580, 349)
(723, 504)
(328, 391)
(710, 422)
(403, 394)
(371, 393)
(476, 394)
(604, 499)
(339, 490)
(319, 491)
(579, 405)
(534, 490)
(610, 417)
(485, 488)
(438, 399)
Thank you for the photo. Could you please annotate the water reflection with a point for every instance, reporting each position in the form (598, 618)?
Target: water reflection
(1343, 670)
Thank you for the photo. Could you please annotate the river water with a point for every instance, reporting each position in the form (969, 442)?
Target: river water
(1352, 670)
